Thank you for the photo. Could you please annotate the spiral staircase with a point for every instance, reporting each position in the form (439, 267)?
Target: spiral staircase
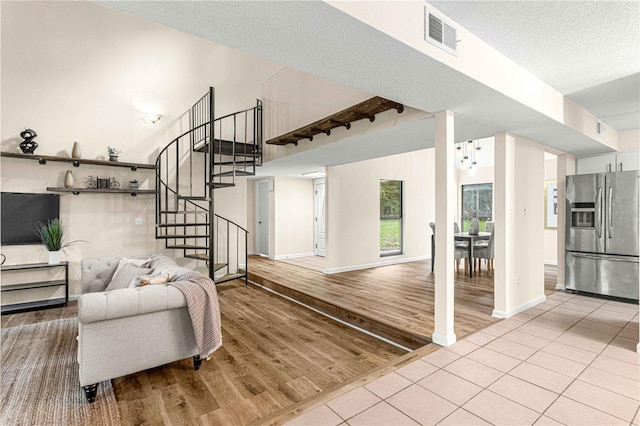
(189, 171)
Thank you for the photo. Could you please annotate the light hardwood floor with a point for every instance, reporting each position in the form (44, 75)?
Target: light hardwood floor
(393, 301)
(275, 354)
(279, 358)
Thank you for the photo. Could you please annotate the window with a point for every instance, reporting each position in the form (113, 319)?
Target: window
(390, 217)
(477, 202)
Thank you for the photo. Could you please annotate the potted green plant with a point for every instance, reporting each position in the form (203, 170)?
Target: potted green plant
(52, 237)
(113, 153)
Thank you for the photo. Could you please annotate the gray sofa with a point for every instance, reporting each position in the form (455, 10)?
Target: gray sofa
(127, 330)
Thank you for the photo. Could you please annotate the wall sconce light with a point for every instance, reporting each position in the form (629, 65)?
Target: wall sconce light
(151, 117)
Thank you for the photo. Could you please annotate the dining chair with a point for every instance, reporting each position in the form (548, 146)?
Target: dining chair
(486, 253)
(460, 252)
(488, 227)
(456, 229)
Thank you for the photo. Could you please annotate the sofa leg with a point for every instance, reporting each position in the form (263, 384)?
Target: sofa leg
(90, 392)
(197, 362)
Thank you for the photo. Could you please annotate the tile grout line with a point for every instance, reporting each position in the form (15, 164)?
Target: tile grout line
(576, 379)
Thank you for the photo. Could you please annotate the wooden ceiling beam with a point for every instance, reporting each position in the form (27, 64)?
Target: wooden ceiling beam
(367, 109)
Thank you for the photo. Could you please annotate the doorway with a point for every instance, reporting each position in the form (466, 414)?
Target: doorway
(262, 217)
(318, 217)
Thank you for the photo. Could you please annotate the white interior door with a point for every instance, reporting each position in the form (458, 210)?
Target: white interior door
(262, 218)
(318, 220)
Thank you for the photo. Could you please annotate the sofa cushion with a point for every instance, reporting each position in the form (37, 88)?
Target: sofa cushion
(163, 265)
(124, 277)
(101, 306)
(97, 273)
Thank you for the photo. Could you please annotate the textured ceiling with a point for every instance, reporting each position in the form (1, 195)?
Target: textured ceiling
(587, 50)
(359, 56)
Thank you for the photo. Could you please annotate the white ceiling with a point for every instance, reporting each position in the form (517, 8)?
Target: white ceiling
(587, 50)
(352, 53)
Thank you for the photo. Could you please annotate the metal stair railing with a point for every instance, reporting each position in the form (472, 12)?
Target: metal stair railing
(190, 168)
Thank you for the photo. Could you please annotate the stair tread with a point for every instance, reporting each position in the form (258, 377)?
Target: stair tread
(227, 144)
(236, 172)
(190, 197)
(229, 277)
(188, 246)
(184, 212)
(221, 184)
(181, 236)
(237, 163)
(170, 225)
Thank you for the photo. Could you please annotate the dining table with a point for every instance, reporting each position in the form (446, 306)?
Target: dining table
(471, 239)
(463, 236)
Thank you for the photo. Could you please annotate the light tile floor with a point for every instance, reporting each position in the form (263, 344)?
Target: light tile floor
(570, 360)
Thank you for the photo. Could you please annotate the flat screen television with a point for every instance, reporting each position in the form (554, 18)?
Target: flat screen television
(21, 212)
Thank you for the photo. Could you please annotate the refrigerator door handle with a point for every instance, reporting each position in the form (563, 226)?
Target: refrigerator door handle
(601, 257)
(585, 256)
(623, 259)
(599, 224)
(609, 217)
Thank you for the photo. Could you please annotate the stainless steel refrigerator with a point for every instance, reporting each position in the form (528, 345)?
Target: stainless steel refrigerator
(601, 235)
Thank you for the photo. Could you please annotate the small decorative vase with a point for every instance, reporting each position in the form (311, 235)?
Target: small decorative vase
(475, 226)
(113, 158)
(54, 257)
(68, 179)
(75, 153)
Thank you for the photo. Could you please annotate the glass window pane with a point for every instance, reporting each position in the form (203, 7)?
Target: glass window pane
(390, 217)
(390, 235)
(477, 202)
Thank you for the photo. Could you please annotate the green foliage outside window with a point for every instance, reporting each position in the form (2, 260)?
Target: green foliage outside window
(477, 201)
(390, 217)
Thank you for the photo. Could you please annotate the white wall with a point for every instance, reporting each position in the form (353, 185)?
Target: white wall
(519, 215)
(528, 220)
(629, 141)
(294, 99)
(353, 209)
(293, 217)
(76, 71)
(551, 235)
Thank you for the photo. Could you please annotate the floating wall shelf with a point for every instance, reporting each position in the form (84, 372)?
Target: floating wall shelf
(76, 191)
(42, 159)
(367, 109)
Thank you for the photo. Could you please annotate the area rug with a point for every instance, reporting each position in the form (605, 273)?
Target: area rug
(39, 379)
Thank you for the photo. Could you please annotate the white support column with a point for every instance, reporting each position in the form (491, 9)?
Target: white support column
(566, 166)
(504, 201)
(443, 334)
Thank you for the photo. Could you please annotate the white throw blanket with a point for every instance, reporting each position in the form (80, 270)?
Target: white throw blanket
(202, 302)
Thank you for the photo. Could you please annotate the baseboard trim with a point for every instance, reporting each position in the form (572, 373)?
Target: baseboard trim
(443, 340)
(560, 287)
(374, 265)
(293, 256)
(511, 312)
(638, 348)
(551, 262)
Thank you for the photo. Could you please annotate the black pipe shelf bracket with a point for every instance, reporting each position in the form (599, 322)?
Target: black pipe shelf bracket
(367, 109)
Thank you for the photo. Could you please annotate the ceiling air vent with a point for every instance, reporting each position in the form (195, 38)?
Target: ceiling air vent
(440, 33)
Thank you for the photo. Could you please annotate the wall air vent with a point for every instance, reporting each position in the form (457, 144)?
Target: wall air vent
(439, 33)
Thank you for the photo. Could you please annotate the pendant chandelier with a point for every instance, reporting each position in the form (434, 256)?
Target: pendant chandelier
(466, 155)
